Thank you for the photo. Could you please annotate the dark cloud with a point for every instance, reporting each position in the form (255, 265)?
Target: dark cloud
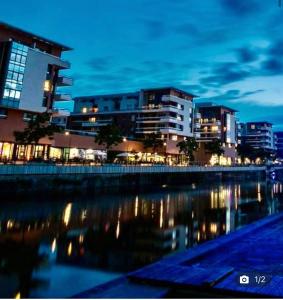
(246, 55)
(241, 7)
(154, 29)
(272, 67)
(276, 49)
(231, 96)
(99, 63)
(225, 73)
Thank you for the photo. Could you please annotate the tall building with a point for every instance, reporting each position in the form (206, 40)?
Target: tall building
(259, 135)
(216, 122)
(279, 144)
(164, 111)
(30, 68)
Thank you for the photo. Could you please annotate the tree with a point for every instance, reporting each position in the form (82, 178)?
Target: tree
(214, 147)
(188, 147)
(109, 136)
(246, 151)
(37, 128)
(152, 141)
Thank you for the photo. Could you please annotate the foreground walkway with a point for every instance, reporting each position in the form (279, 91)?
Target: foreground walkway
(212, 269)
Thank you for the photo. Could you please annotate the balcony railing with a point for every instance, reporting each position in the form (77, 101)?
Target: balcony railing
(64, 81)
(63, 97)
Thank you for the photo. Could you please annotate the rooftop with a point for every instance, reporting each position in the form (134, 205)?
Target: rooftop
(35, 37)
(211, 104)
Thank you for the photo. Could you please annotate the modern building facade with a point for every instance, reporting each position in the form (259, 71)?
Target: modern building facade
(279, 144)
(216, 122)
(164, 111)
(30, 68)
(259, 135)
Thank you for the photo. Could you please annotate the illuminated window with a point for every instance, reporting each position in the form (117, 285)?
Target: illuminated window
(252, 126)
(92, 119)
(47, 86)
(214, 128)
(174, 138)
(84, 110)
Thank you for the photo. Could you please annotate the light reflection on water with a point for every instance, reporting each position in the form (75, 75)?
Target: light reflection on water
(122, 233)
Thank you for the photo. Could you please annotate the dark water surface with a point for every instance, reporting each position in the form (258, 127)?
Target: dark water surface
(59, 248)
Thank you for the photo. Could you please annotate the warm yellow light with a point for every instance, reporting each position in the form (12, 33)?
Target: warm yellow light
(70, 249)
(47, 86)
(67, 133)
(92, 119)
(10, 224)
(81, 238)
(18, 295)
(67, 214)
(124, 139)
(214, 128)
(84, 110)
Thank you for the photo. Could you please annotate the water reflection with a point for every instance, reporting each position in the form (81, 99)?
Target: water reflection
(121, 233)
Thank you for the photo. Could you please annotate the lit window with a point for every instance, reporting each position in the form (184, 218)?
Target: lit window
(252, 126)
(92, 119)
(47, 86)
(174, 138)
(84, 110)
(214, 128)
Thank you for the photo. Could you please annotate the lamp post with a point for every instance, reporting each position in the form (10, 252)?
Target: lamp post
(67, 133)
(165, 152)
(125, 141)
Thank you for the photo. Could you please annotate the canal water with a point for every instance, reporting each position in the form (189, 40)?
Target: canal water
(60, 247)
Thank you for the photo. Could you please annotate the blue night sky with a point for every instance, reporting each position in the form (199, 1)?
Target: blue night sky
(227, 51)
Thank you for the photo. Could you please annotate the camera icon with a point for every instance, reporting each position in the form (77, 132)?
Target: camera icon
(244, 279)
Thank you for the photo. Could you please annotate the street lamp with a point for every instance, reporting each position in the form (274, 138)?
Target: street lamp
(165, 152)
(67, 133)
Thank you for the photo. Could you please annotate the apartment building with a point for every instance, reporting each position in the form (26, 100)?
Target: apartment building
(279, 144)
(30, 73)
(164, 111)
(216, 122)
(259, 135)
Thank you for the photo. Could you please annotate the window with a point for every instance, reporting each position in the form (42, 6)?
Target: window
(253, 126)
(47, 86)
(15, 75)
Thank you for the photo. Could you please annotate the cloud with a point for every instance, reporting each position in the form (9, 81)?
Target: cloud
(202, 36)
(247, 55)
(240, 7)
(154, 29)
(272, 67)
(99, 63)
(231, 97)
(225, 73)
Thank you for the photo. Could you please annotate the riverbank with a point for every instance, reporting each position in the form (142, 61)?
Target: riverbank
(53, 179)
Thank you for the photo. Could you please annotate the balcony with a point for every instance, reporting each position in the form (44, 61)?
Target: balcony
(197, 116)
(63, 97)
(64, 81)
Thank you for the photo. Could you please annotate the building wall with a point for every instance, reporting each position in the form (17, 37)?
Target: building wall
(34, 77)
(279, 144)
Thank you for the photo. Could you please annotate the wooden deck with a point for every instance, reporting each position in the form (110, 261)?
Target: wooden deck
(213, 268)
